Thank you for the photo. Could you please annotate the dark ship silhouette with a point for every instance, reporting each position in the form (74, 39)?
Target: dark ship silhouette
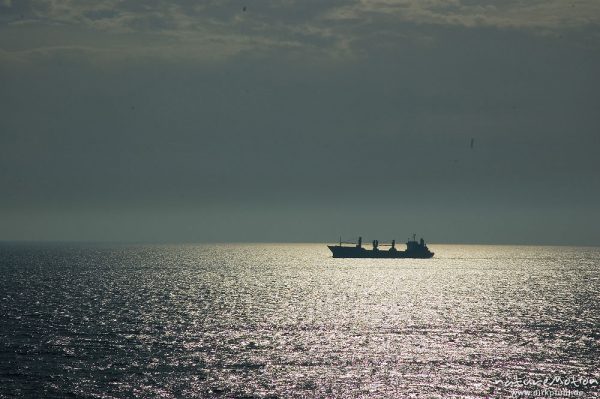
(414, 249)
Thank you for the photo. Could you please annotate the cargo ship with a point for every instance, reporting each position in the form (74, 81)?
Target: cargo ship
(414, 249)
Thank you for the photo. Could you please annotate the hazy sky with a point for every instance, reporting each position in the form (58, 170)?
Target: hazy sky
(182, 120)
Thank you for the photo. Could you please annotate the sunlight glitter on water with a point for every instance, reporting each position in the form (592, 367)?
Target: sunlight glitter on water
(290, 321)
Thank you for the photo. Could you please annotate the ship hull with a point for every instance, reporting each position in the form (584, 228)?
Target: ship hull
(356, 252)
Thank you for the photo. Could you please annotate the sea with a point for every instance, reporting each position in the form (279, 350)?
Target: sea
(289, 321)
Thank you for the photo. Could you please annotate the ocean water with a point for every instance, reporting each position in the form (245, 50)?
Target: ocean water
(289, 321)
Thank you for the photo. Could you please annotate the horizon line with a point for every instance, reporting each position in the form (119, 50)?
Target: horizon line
(184, 242)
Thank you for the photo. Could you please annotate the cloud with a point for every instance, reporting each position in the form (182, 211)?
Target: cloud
(213, 30)
(547, 14)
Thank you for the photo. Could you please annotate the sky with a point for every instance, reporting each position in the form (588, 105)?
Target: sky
(462, 121)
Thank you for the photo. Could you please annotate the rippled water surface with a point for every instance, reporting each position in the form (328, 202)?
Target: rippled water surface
(290, 321)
